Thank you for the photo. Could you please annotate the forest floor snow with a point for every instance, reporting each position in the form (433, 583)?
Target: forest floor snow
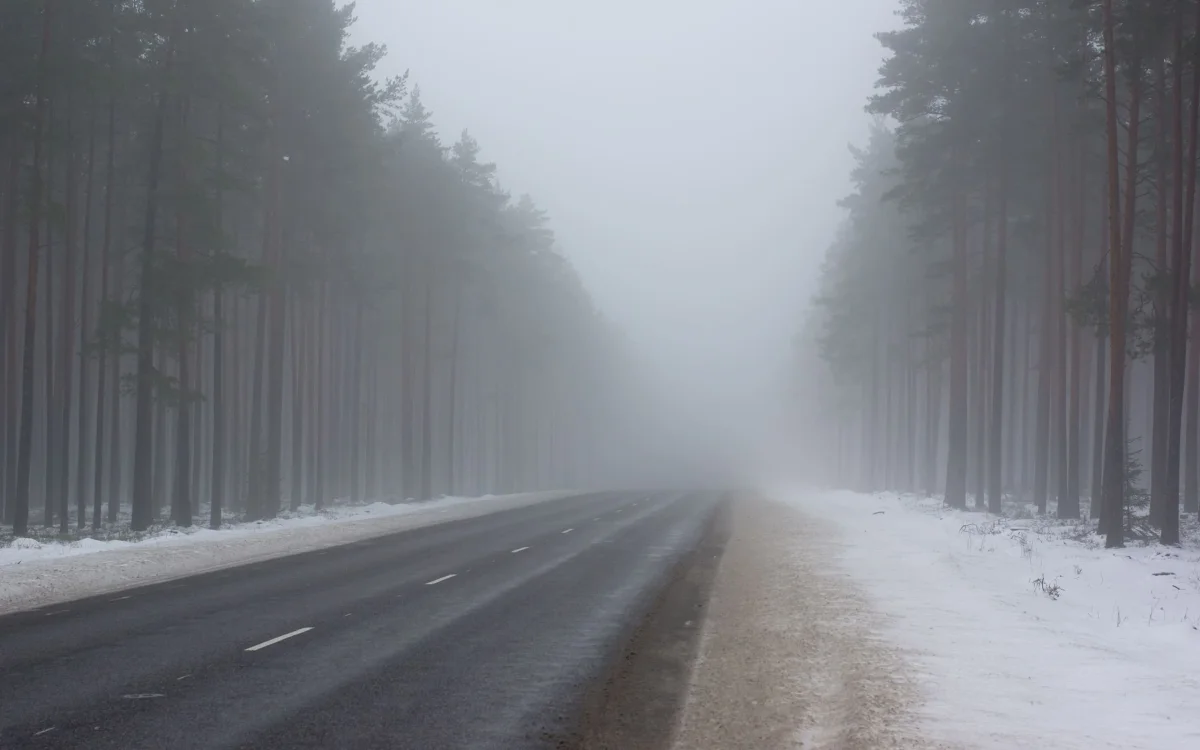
(1022, 632)
(40, 572)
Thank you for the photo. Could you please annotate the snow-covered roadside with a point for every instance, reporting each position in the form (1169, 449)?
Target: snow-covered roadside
(1023, 637)
(36, 574)
(788, 656)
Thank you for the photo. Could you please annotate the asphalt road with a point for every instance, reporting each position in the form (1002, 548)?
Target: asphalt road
(482, 633)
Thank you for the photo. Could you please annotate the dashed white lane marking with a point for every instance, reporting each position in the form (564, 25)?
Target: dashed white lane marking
(143, 696)
(277, 639)
(568, 531)
(59, 612)
(519, 549)
(439, 580)
(120, 598)
(47, 729)
(186, 676)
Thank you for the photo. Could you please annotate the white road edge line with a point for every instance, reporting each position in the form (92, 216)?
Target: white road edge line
(283, 637)
(443, 578)
(568, 531)
(521, 549)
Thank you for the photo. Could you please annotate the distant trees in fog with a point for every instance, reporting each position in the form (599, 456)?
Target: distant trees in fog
(237, 271)
(1005, 310)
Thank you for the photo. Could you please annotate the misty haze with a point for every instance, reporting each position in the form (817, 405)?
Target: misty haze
(661, 375)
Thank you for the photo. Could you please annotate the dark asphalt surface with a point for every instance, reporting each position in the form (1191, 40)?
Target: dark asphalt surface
(399, 655)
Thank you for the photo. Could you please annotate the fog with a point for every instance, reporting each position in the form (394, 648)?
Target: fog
(690, 155)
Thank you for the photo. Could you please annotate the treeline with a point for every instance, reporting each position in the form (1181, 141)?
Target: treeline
(239, 273)
(1005, 312)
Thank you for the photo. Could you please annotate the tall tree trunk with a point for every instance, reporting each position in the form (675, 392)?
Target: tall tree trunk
(374, 412)
(356, 407)
(322, 400)
(1041, 471)
(1099, 409)
(105, 265)
(8, 303)
(1121, 243)
(1162, 302)
(84, 449)
(159, 453)
(278, 330)
(21, 515)
(1060, 433)
(67, 338)
(220, 450)
(995, 468)
(181, 499)
(871, 437)
(7, 218)
(315, 393)
(1182, 272)
(408, 390)
(116, 454)
(981, 347)
(236, 378)
(452, 400)
(1191, 440)
(50, 386)
(1056, 322)
(887, 433)
(956, 461)
(1069, 505)
(299, 376)
(197, 385)
(427, 393)
(1191, 436)
(253, 504)
(1026, 430)
(143, 501)
(933, 419)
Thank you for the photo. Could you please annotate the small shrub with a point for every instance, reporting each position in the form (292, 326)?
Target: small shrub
(1052, 589)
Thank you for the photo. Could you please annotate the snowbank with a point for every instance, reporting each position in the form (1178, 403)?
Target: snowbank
(1027, 633)
(34, 574)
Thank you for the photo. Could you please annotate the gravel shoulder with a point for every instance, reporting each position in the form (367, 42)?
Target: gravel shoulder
(790, 655)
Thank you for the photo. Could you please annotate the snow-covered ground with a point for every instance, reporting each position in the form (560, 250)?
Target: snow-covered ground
(34, 573)
(1027, 633)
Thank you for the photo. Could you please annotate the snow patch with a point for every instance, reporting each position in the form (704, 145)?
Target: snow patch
(1025, 632)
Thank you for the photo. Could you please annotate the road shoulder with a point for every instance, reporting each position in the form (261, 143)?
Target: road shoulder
(790, 655)
(636, 705)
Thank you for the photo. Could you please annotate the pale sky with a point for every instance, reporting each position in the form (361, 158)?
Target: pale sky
(689, 152)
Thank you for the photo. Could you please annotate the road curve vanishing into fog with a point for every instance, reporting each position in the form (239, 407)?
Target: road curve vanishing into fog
(501, 631)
